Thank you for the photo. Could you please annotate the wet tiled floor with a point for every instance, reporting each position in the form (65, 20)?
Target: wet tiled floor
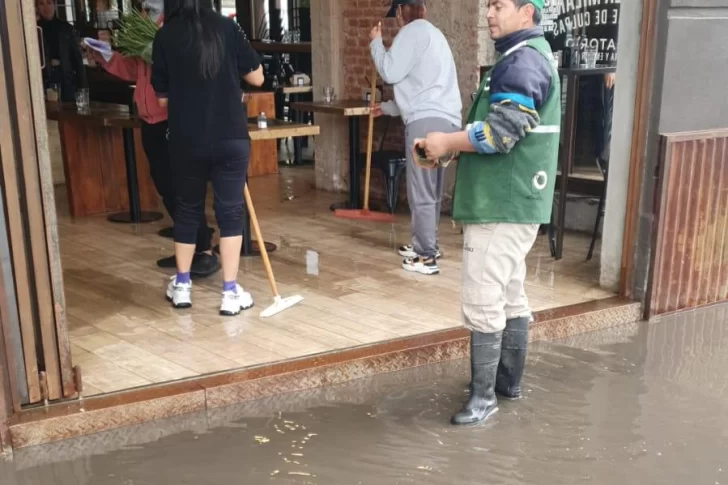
(634, 404)
(124, 334)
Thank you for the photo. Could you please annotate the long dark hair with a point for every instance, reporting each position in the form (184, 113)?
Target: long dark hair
(199, 17)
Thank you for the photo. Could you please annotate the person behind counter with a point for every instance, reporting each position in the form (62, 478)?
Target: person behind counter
(198, 60)
(155, 144)
(60, 46)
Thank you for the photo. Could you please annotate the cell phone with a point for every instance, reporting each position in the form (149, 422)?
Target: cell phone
(420, 151)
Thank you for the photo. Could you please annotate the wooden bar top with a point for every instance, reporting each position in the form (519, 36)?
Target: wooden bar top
(106, 114)
(295, 89)
(344, 107)
(119, 116)
(282, 129)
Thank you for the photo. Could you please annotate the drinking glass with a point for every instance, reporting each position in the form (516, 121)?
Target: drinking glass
(82, 99)
(53, 93)
(329, 95)
(591, 54)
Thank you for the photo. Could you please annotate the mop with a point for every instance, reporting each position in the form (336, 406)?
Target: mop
(365, 213)
(279, 304)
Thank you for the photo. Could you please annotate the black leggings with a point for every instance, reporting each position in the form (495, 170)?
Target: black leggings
(156, 148)
(226, 165)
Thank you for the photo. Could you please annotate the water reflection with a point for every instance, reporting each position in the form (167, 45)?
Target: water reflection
(636, 404)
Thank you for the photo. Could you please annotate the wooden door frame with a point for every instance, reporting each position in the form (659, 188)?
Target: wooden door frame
(639, 144)
(30, 207)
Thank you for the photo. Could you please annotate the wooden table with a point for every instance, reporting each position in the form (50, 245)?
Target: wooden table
(566, 153)
(99, 146)
(276, 129)
(353, 109)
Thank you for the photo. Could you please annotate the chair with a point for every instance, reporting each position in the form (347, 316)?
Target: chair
(392, 164)
(607, 106)
(603, 167)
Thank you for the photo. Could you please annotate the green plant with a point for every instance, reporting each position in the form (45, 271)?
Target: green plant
(135, 34)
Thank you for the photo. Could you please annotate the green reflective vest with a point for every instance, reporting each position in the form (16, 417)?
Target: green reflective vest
(518, 186)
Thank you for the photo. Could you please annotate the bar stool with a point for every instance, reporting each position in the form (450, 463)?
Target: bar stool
(392, 164)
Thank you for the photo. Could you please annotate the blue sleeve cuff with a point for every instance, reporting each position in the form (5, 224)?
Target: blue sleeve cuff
(476, 135)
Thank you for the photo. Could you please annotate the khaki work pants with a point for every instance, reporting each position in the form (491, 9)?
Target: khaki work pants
(494, 270)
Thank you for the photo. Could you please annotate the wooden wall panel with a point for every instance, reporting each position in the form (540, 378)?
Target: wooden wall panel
(14, 221)
(95, 171)
(263, 153)
(30, 208)
(690, 258)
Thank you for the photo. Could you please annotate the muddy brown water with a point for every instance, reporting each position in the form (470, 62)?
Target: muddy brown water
(638, 404)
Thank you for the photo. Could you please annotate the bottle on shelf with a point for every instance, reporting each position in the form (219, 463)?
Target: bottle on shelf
(262, 121)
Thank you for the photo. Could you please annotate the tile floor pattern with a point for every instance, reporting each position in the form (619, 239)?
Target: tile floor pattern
(124, 334)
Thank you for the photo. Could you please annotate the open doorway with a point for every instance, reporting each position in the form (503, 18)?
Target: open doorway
(123, 335)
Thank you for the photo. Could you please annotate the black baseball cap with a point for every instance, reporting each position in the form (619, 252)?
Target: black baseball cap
(396, 3)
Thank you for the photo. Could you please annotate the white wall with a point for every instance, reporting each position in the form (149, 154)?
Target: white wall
(625, 93)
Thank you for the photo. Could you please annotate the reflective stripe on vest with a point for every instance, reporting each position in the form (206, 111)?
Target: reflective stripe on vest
(546, 129)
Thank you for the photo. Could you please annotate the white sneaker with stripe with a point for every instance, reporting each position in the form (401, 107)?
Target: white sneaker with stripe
(408, 251)
(179, 294)
(421, 265)
(233, 302)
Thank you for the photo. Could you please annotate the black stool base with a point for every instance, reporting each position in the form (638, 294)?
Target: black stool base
(128, 218)
(373, 206)
(254, 248)
(342, 205)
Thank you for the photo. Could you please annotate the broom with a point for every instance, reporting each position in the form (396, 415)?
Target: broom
(365, 213)
(279, 304)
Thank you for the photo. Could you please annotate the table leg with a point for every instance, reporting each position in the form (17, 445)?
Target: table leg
(249, 247)
(297, 141)
(353, 202)
(566, 158)
(135, 214)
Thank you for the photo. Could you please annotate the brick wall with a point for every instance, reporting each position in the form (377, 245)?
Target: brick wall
(360, 17)
(459, 21)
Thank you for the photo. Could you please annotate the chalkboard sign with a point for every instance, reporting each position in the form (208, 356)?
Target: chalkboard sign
(583, 23)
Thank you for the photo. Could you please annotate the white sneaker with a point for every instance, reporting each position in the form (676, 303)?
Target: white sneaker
(233, 302)
(421, 265)
(180, 294)
(408, 251)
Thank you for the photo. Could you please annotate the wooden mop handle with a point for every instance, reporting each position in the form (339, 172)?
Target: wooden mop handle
(261, 242)
(370, 135)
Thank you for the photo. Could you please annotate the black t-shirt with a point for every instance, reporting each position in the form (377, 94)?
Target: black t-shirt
(202, 111)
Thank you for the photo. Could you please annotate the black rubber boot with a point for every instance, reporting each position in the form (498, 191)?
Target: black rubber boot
(513, 358)
(485, 351)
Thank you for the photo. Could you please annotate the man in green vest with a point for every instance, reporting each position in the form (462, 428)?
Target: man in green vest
(503, 193)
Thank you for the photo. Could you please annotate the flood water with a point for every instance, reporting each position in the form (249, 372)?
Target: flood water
(639, 404)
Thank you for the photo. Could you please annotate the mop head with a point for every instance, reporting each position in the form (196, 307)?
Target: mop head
(280, 304)
(365, 215)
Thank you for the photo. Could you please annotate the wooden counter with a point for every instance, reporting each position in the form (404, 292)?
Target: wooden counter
(93, 154)
(264, 153)
(93, 159)
(282, 129)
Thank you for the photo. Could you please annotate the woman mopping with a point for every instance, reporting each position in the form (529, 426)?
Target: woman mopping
(154, 140)
(198, 59)
(421, 67)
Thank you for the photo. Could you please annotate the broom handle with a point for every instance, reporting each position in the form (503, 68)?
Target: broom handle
(370, 135)
(261, 242)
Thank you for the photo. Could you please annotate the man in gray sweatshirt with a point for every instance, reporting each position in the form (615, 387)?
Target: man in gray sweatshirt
(421, 68)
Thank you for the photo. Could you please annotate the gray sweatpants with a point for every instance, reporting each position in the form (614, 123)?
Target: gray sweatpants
(425, 187)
